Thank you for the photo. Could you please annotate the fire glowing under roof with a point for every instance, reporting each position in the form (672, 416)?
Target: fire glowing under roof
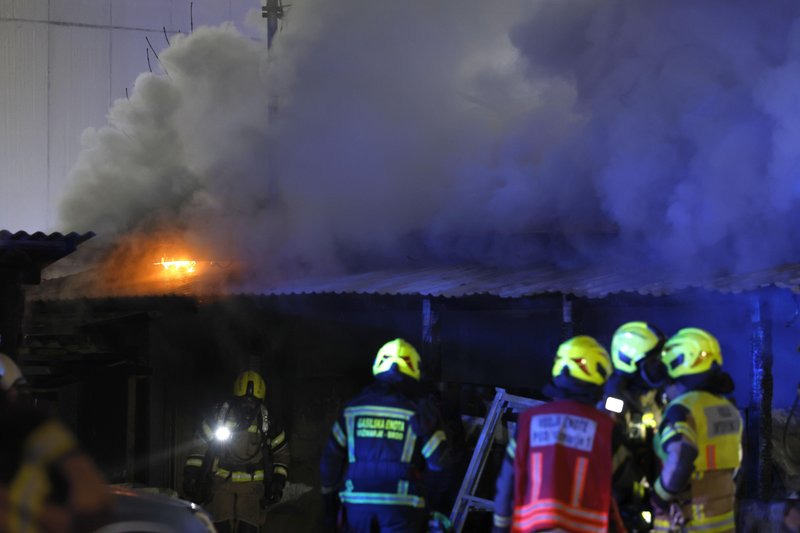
(139, 274)
(458, 282)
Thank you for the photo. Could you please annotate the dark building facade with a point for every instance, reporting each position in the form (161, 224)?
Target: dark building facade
(133, 374)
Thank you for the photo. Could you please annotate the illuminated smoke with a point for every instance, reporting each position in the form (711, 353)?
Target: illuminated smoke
(411, 133)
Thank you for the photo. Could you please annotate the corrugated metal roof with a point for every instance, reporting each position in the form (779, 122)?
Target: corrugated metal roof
(22, 238)
(29, 253)
(591, 283)
(451, 282)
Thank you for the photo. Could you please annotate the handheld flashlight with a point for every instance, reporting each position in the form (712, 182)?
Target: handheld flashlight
(222, 434)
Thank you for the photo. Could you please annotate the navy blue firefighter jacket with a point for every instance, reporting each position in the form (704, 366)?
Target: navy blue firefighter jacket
(380, 445)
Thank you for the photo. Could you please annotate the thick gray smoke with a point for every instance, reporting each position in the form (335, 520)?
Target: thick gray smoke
(511, 133)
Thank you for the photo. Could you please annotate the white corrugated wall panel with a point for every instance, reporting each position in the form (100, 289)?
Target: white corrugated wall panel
(240, 10)
(80, 77)
(58, 78)
(93, 12)
(24, 9)
(133, 23)
(144, 14)
(211, 12)
(180, 14)
(23, 125)
(129, 58)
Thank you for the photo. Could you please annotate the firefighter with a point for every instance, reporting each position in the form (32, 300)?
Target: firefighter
(557, 472)
(632, 394)
(47, 483)
(240, 464)
(632, 390)
(699, 439)
(379, 447)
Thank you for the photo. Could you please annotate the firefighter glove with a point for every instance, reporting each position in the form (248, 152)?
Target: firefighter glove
(439, 523)
(665, 502)
(274, 492)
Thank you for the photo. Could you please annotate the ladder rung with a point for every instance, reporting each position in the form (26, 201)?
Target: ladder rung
(479, 503)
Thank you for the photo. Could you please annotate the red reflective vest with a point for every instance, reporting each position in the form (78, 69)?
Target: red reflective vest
(562, 468)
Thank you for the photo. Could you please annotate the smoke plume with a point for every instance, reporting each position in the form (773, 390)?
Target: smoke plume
(661, 133)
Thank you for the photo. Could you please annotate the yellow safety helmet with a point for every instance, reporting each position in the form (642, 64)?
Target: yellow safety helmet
(632, 342)
(584, 359)
(249, 383)
(398, 352)
(691, 351)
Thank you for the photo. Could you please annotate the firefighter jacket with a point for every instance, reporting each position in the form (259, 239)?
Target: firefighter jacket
(380, 445)
(257, 448)
(710, 427)
(640, 410)
(46, 482)
(632, 483)
(557, 472)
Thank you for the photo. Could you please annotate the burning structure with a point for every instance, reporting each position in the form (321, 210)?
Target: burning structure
(156, 356)
(292, 177)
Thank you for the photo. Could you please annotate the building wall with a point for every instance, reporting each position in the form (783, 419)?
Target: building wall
(62, 64)
(317, 351)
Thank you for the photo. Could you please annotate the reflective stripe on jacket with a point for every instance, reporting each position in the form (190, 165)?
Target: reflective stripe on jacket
(380, 445)
(562, 468)
(242, 457)
(713, 425)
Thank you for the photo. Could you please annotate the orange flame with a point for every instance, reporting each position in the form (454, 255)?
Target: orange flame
(178, 267)
(161, 262)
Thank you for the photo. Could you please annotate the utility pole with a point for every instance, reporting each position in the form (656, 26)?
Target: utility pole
(272, 10)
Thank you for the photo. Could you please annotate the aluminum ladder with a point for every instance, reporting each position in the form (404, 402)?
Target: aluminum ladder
(466, 500)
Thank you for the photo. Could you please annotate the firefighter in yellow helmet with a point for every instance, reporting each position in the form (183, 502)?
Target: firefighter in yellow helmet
(47, 482)
(241, 461)
(638, 372)
(380, 445)
(559, 470)
(632, 395)
(699, 439)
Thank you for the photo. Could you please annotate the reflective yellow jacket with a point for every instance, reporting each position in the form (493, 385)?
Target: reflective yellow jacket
(713, 427)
